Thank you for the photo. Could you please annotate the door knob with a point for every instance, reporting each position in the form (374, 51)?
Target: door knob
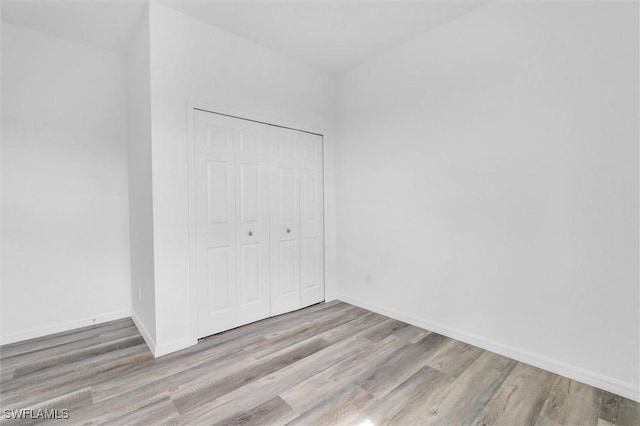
(288, 231)
(250, 233)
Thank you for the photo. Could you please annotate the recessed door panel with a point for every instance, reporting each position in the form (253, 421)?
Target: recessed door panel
(219, 135)
(287, 194)
(309, 262)
(219, 197)
(249, 192)
(288, 259)
(310, 195)
(218, 268)
(286, 147)
(249, 140)
(250, 273)
(309, 149)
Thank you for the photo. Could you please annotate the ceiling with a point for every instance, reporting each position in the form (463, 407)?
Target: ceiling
(330, 35)
(105, 24)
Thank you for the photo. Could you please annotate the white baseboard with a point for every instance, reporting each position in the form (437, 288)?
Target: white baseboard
(330, 297)
(150, 341)
(159, 350)
(591, 378)
(173, 346)
(62, 327)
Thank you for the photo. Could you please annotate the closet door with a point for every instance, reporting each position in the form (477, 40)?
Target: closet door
(285, 223)
(258, 221)
(311, 218)
(253, 146)
(214, 230)
(231, 215)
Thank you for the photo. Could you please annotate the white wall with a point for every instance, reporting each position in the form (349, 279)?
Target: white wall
(140, 185)
(191, 61)
(65, 223)
(488, 181)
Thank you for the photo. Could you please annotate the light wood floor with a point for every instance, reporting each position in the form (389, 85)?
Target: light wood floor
(328, 364)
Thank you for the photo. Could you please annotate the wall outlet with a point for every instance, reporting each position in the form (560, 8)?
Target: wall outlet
(139, 293)
(368, 278)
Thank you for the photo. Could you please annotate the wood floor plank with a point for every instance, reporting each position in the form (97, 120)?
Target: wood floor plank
(117, 333)
(280, 322)
(6, 375)
(273, 412)
(619, 411)
(343, 374)
(194, 396)
(341, 409)
(520, 398)
(69, 401)
(454, 358)
(385, 328)
(543, 421)
(255, 393)
(43, 363)
(229, 353)
(286, 330)
(401, 365)
(407, 404)
(160, 387)
(471, 391)
(158, 412)
(356, 327)
(300, 333)
(330, 363)
(34, 357)
(100, 413)
(51, 341)
(573, 403)
(272, 333)
(410, 333)
(66, 378)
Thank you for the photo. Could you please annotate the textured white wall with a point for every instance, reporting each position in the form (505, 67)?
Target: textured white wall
(65, 230)
(488, 181)
(140, 185)
(193, 61)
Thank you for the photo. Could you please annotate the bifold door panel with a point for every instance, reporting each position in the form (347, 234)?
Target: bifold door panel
(252, 224)
(258, 221)
(285, 224)
(311, 220)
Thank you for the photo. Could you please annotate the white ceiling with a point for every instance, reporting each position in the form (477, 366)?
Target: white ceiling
(105, 24)
(330, 35)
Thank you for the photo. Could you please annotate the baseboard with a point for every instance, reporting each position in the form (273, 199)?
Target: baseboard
(173, 346)
(62, 327)
(159, 350)
(150, 341)
(330, 297)
(597, 380)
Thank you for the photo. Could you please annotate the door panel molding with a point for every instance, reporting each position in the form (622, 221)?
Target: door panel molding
(268, 168)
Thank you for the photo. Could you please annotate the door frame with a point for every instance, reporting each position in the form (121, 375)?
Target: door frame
(192, 106)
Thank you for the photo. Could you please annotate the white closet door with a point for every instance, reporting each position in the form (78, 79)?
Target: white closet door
(258, 221)
(231, 229)
(311, 218)
(214, 228)
(285, 223)
(253, 147)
